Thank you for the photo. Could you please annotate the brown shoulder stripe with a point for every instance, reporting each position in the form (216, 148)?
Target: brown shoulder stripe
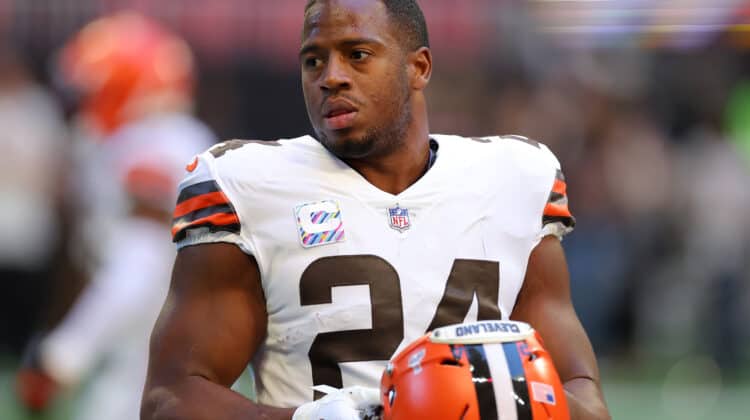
(203, 205)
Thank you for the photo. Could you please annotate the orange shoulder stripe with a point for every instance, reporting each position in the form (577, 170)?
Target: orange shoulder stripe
(200, 202)
(557, 210)
(559, 186)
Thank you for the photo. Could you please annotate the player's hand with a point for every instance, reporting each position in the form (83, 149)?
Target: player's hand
(352, 403)
(34, 387)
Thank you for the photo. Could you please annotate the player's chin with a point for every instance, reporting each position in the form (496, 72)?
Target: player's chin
(346, 144)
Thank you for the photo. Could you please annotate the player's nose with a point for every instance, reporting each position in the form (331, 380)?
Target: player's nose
(335, 74)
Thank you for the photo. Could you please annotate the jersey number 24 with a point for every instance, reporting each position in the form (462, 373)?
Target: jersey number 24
(467, 279)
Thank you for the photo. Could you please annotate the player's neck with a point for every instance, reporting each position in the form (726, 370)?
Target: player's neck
(398, 170)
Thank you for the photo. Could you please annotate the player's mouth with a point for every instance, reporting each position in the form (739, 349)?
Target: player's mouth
(339, 114)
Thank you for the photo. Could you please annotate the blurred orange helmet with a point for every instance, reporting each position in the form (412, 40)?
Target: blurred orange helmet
(123, 63)
(481, 370)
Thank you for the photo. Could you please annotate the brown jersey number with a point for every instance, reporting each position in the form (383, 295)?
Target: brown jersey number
(468, 278)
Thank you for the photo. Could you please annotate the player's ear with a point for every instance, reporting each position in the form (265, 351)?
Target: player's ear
(420, 64)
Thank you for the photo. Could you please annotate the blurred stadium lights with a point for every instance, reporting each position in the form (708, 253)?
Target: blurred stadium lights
(231, 29)
(644, 23)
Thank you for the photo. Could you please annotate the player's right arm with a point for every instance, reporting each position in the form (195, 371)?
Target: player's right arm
(213, 321)
(215, 316)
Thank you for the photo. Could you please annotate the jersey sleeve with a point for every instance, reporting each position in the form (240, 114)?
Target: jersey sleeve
(557, 219)
(545, 181)
(204, 212)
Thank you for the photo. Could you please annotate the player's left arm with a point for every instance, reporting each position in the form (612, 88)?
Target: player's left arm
(544, 302)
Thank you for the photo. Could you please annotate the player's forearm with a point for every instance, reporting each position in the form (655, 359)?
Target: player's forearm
(196, 398)
(585, 400)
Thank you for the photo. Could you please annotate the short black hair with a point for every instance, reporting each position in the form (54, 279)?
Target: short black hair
(408, 17)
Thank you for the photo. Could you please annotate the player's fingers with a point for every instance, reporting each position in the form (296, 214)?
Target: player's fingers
(337, 406)
(363, 397)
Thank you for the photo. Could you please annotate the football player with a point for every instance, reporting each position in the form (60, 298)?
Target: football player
(317, 258)
(134, 78)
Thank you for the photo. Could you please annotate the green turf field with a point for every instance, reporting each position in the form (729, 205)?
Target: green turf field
(683, 392)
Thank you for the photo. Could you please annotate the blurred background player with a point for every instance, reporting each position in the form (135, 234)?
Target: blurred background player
(134, 136)
(33, 136)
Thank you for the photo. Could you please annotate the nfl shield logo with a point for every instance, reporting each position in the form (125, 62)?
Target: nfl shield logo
(399, 218)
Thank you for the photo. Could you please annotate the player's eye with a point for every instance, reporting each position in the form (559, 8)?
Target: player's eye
(360, 55)
(312, 62)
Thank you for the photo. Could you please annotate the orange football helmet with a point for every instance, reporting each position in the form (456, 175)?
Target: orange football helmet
(123, 63)
(480, 370)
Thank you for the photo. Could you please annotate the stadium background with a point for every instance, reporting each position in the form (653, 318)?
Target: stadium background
(645, 102)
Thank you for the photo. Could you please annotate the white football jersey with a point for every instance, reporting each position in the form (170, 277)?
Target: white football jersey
(352, 273)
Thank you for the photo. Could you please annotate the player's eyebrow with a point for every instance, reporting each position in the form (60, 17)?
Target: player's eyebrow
(342, 44)
(309, 48)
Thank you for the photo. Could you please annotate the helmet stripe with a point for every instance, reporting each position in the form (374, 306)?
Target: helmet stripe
(482, 378)
(501, 382)
(518, 376)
